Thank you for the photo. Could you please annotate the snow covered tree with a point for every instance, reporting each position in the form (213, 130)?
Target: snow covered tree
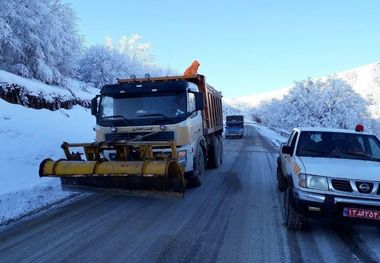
(103, 64)
(322, 103)
(38, 39)
(100, 65)
(137, 56)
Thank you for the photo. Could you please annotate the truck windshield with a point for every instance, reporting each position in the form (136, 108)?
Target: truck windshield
(234, 125)
(143, 109)
(339, 145)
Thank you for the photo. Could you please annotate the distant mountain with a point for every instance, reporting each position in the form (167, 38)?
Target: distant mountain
(256, 99)
(236, 109)
(365, 80)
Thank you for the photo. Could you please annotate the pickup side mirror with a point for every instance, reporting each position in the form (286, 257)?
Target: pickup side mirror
(94, 106)
(287, 150)
(199, 101)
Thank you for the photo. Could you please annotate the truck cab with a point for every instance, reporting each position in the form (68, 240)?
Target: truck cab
(179, 109)
(234, 126)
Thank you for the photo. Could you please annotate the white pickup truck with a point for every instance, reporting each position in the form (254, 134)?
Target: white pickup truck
(329, 173)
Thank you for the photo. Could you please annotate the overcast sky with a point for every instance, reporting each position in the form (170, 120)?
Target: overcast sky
(244, 47)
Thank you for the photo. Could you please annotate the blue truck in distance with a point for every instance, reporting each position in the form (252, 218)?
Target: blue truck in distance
(234, 126)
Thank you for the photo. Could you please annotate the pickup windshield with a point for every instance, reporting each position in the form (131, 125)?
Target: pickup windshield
(143, 109)
(339, 145)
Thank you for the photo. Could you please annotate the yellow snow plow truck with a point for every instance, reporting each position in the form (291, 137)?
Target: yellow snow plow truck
(152, 134)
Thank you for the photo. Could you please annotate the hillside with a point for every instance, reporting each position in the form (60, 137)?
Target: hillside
(256, 99)
(365, 80)
(30, 134)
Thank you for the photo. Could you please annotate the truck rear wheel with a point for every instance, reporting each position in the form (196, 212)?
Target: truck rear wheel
(221, 148)
(293, 219)
(214, 153)
(199, 169)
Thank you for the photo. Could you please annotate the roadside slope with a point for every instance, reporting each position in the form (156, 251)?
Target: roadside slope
(30, 135)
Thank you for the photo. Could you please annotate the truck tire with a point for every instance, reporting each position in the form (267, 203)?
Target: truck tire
(293, 219)
(214, 153)
(281, 181)
(199, 168)
(221, 148)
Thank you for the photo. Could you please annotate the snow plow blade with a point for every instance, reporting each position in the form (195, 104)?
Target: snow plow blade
(134, 166)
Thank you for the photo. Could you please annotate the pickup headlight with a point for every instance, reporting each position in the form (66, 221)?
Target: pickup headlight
(313, 182)
(182, 157)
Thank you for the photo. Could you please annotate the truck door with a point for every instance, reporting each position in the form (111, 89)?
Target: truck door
(196, 119)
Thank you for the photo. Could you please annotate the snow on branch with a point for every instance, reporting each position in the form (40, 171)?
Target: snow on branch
(39, 39)
(317, 103)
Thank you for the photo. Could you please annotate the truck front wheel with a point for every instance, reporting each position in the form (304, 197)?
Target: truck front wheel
(199, 169)
(293, 219)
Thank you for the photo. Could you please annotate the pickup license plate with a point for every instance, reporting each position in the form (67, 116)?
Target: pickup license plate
(361, 213)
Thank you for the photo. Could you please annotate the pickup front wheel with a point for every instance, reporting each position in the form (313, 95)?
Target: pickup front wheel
(281, 181)
(293, 219)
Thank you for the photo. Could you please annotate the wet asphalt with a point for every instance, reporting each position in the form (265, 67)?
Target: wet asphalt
(235, 216)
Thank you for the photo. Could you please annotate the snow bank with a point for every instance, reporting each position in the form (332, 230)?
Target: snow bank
(72, 89)
(26, 202)
(28, 136)
(276, 137)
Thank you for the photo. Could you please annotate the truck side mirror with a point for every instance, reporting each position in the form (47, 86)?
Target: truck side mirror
(287, 150)
(94, 106)
(199, 101)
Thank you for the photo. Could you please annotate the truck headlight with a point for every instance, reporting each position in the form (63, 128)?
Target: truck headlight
(182, 157)
(313, 181)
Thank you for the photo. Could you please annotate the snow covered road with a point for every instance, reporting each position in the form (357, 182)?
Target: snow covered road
(235, 216)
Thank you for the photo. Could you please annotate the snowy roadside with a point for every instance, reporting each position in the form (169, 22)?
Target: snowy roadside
(74, 88)
(28, 136)
(29, 201)
(276, 137)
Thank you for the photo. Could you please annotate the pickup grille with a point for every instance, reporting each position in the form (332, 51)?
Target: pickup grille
(364, 187)
(160, 136)
(341, 185)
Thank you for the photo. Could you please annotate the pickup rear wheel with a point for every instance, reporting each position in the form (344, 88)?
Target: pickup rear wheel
(281, 181)
(293, 219)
